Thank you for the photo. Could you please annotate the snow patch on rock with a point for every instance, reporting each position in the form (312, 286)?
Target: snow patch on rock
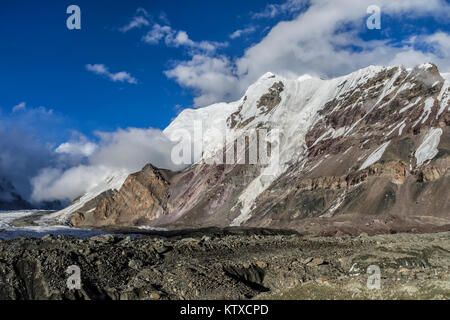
(428, 149)
(399, 126)
(410, 105)
(296, 114)
(375, 156)
(444, 96)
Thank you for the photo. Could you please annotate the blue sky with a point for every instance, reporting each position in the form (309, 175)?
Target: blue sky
(134, 65)
(43, 63)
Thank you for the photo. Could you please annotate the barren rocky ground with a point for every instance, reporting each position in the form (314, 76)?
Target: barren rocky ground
(233, 263)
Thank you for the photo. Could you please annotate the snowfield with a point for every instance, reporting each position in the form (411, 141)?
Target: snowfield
(7, 231)
(375, 156)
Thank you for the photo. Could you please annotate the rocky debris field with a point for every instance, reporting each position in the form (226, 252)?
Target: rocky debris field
(227, 264)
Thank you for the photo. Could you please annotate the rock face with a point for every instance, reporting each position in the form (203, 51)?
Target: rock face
(142, 198)
(367, 152)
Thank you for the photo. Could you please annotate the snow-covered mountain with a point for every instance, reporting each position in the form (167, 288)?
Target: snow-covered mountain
(374, 143)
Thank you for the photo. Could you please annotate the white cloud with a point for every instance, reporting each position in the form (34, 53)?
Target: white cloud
(101, 69)
(123, 150)
(240, 32)
(180, 38)
(18, 107)
(25, 144)
(56, 184)
(315, 43)
(441, 43)
(157, 33)
(212, 78)
(133, 148)
(273, 10)
(138, 21)
(123, 77)
(80, 148)
(43, 171)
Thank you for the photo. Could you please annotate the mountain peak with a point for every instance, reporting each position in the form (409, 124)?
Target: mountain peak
(361, 143)
(305, 77)
(267, 75)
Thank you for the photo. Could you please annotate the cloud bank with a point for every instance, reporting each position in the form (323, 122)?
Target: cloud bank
(21, 158)
(42, 170)
(324, 39)
(25, 133)
(120, 151)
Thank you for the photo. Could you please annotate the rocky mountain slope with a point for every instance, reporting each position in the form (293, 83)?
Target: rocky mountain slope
(369, 151)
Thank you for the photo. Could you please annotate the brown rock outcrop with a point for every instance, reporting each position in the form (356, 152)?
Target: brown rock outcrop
(143, 197)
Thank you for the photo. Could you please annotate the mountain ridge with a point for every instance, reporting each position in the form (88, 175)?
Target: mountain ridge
(381, 114)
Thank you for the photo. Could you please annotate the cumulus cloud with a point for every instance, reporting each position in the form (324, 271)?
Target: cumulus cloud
(141, 19)
(315, 42)
(179, 38)
(57, 184)
(42, 170)
(78, 148)
(120, 151)
(439, 45)
(440, 41)
(212, 78)
(133, 148)
(157, 33)
(102, 70)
